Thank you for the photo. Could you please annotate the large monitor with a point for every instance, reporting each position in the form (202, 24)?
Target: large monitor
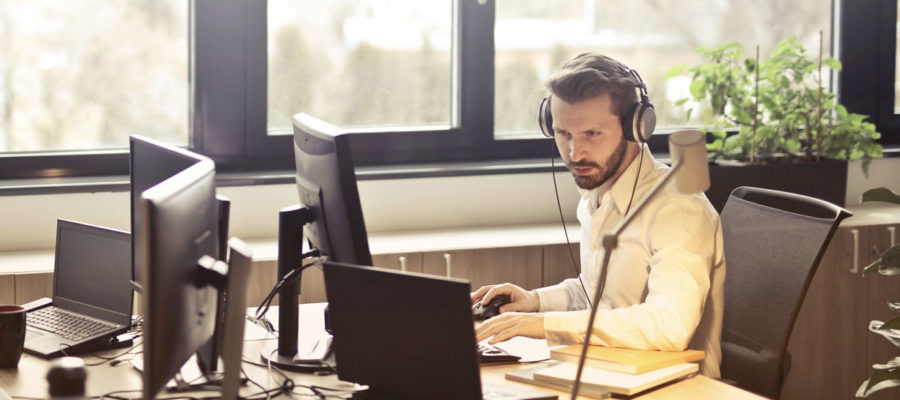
(326, 182)
(177, 227)
(150, 162)
(329, 217)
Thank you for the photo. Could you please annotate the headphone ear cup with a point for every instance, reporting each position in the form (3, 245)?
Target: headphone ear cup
(639, 122)
(629, 122)
(545, 119)
(646, 122)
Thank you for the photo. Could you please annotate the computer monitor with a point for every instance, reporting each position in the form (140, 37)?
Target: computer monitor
(329, 217)
(150, 162)
(326, 183)
(177, 227)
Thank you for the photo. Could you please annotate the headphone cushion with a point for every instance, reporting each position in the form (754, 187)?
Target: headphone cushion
(545, 118)
(647, 122)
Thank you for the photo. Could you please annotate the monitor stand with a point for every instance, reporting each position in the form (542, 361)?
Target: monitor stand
(284, 354)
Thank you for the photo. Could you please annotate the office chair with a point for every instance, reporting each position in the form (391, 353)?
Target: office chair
(773, 243)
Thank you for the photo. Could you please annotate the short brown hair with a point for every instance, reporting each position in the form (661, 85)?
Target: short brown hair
(591, 74)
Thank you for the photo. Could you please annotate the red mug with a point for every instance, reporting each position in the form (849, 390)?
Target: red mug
(12, 335)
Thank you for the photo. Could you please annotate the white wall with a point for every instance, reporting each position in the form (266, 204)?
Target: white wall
(29, 222)
(882, 172)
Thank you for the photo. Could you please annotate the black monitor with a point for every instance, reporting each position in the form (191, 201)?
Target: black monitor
(326, 183)
(150, 162)
(177, 227)
(329, 217)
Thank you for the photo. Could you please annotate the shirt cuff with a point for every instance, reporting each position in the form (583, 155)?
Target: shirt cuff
(565, 327)
(552, 298)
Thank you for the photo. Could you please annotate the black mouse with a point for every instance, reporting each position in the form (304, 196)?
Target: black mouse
(492, 308)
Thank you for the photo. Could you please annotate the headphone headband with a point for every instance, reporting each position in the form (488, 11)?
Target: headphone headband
(638, 122)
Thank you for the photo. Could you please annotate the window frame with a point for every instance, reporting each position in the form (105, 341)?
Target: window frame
(868, 54)
(228, 71)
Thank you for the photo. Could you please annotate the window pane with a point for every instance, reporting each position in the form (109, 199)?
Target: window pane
(360, 63)
(534, 37)
(84, 74)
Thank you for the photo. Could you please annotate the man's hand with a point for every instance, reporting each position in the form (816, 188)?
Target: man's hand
(508, 325)
(519, 299)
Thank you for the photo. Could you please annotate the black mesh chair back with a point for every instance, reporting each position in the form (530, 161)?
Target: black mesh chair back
(773, 243)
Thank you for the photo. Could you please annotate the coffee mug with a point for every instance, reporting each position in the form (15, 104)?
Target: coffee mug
(12, 335)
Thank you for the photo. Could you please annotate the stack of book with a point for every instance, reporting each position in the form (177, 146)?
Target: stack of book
(611, 370)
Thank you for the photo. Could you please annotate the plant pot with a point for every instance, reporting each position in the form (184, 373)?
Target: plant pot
(826, 179)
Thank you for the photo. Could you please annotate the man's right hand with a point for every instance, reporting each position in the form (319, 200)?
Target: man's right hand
(520, 299)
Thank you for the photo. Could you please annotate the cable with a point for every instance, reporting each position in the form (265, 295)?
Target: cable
(563, 220)
(288, 278)
(636, 179)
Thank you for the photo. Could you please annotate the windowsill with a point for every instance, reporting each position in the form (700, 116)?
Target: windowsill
(119, 183)
(444, 239)
(379, 243)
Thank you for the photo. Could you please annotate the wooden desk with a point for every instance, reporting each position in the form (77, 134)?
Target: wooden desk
(29, 380)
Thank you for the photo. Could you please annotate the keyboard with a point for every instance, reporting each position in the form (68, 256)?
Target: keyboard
(66, 324)
(490, 354)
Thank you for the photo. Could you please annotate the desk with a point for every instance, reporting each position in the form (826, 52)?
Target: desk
(29, 380)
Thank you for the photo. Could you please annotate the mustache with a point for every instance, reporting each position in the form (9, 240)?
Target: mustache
(573, 164)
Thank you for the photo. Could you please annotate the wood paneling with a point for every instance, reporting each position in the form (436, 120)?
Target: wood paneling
(33, 286)
(8, 289)
(829, 335)
(518, 265)
(558, 263)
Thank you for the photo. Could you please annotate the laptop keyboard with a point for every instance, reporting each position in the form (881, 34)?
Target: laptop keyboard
(66, 324)
(490, 354)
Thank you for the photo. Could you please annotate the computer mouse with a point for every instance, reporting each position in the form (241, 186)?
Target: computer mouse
(492, 308)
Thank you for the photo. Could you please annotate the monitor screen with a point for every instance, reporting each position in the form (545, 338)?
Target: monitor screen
(327, 186)
(177, 226)
(151, 162)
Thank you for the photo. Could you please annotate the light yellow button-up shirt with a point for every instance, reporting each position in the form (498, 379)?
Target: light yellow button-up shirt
(664, 288)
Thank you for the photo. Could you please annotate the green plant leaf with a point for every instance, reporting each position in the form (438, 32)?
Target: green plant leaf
(872, 268)
(880, 194)
(891, 364)
(893, 323)
(890, 261)
(894, 306)
(878, 381)
(676, 70)
(681, 102)
(892, 335)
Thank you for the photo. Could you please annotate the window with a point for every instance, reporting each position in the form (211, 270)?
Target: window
(83, 75)
(534, 37)
(416, 81)
(364, 64)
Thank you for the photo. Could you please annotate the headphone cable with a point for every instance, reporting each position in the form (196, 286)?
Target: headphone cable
(563, 220)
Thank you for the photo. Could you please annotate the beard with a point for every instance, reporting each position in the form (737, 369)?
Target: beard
(590, 182)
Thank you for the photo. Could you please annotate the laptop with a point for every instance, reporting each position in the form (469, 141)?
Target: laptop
(92, 296)
(407, 335)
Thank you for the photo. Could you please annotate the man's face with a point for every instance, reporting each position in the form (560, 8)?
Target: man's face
(589, 138)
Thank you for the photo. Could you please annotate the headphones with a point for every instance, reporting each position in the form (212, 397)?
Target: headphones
(638, 122)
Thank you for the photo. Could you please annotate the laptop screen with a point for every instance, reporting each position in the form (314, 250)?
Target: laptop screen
(93, 270)
(407, 335)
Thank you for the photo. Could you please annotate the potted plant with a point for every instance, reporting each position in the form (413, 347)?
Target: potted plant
(885, 375)
(775, 117)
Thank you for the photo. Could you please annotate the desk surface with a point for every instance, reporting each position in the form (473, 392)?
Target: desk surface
(29, 380)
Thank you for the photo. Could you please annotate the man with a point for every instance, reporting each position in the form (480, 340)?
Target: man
(664, 286)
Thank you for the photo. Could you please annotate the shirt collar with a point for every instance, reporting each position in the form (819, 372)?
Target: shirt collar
(622, 189)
